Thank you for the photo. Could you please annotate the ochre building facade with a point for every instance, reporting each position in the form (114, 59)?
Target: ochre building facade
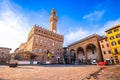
(85, 50)
(113, 35)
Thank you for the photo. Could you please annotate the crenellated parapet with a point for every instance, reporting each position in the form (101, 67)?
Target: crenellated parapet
(38, 30)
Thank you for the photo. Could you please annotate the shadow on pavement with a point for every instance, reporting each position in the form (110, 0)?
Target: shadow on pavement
(24, 67)
(4, 79)
(64, 65)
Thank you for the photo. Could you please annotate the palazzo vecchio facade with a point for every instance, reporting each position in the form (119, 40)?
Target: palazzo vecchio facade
(48, 44)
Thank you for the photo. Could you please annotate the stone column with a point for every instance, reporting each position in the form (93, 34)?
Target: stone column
(76, 55)
(99, 53)
(85, 53)
(69, 56)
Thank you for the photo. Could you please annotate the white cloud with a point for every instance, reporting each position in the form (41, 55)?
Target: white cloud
(13, 26)
(108, 25)
(80, 33)
(96, 15)
(15, 23)
(75, 35)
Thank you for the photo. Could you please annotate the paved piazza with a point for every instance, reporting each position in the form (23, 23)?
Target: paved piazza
(47, 72)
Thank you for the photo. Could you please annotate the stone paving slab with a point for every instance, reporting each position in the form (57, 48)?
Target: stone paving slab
(48, 72)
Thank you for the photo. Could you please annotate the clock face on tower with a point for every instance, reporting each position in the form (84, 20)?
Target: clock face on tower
(54, 31)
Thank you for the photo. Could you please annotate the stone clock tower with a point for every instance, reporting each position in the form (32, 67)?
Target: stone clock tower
(53, 21)
(45, 44)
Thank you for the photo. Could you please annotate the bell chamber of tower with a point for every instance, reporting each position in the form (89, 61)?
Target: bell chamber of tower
(53, 21)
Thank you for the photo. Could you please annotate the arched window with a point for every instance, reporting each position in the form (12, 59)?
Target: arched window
(116, 51)
(36, 40)
(104, 52)
(45, 42)
(102, 46)
(41, 41)
(45, 51)
(40, 50)
(35, 50)
(109, 51)
(118, 41)
(111, 37)
(107, 45)
(115, 30)
(109, 32)
(117, 35)
(113, 43)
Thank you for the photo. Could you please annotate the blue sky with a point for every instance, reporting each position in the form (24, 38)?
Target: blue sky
(76, 18)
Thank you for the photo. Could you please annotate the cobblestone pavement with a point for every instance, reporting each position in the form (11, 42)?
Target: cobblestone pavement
(47, 72)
